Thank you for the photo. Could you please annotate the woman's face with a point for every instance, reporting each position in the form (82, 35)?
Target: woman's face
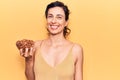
(56, 20)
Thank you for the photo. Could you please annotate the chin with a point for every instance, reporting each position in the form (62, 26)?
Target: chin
(53, 33)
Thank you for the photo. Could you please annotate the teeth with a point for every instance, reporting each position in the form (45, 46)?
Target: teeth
(54, 27)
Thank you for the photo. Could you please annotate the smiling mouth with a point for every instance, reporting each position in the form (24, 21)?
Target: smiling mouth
(54, 27)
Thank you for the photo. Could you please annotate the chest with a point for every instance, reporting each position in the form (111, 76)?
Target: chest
(55, 56)
(62, 71)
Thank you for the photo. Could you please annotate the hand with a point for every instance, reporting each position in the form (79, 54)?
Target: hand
(27, 52)
(26, 47)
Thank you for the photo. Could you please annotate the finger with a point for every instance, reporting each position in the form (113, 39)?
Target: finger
(21, 52)
(26, 52)
(31, 51)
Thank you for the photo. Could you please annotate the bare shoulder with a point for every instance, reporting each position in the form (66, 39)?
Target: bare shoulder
(77, 50)
(37, 43)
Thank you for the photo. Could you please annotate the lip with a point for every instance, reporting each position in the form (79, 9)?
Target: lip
(54, 27)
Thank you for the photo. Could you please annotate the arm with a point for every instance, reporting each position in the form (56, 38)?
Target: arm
(28, 53)
(29, 70)
(29, 62)
(78, 63)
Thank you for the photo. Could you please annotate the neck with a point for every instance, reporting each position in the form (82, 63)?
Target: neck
(56, 40)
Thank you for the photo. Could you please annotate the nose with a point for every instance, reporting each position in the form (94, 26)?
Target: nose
(54, 20)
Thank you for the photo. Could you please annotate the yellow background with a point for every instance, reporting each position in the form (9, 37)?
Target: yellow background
(95, 24)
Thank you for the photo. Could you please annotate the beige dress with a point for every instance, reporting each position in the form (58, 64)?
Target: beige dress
(62, 71)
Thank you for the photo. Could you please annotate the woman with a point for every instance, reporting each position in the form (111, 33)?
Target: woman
(54, 58)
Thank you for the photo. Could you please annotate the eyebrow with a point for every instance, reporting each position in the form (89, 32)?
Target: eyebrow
(60, 15)
(57, 14)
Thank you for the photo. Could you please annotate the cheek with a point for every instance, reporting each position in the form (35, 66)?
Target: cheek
(47, 21)
(65, 23)
(62, 22)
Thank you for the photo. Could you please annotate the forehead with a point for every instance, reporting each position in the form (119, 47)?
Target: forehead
(56, 10)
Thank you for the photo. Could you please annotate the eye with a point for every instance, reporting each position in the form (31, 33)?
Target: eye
(49, 16)
(59, 17)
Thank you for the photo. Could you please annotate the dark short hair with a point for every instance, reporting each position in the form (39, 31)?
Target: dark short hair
(66, 11)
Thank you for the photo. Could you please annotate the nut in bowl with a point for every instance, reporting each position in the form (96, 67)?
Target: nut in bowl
(25, 43)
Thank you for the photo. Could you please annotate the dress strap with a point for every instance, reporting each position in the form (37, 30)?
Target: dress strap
(72, 46)
(41, 43)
